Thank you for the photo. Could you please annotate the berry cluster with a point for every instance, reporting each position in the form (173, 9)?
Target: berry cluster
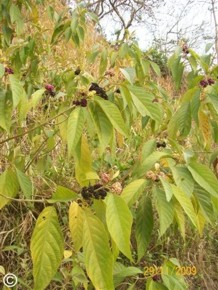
(117, 91)
(83, 103)
(185, 49)
(99, 91)
(77, 71)
(161, 144)
(96, 191)
(204, 83)
(9, 71)
(50, 90)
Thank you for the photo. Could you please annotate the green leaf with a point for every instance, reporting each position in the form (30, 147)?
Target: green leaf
(2, 70)
(148, 148)
(103, 126)
(149, 162)
(176, 68)
(143, 103)
(114, 115)
(36, 98)
(121, 272)
(180, 217)
(103, 62)
(119, 222)
(167, 188)
(152, 285)
(58, 31)
(63, 194)
(98, 256)
(17, 18)
(183, 179)
(76, 221)
(25, 183)
(132, 191)
(185, 203)
(205, 202)
(144, 225)
(47, 247)
(164, 209)
(156, 68)
(129, 74)
(17, 90)
(204, 177)
(5, 112)
(170, 278)
(181, 121)
(74, 129)
(9, 186)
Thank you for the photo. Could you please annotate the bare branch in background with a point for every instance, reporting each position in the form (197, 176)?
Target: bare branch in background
(125, 12)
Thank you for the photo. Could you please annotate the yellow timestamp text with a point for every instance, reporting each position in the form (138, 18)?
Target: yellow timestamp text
(178, 270)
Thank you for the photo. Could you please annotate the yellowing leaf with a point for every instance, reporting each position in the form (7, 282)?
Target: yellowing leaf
(74, 129)
(76, 221)
(8, 186)
(205, 127)
(119, 222)
(47, 248)
(98, 256)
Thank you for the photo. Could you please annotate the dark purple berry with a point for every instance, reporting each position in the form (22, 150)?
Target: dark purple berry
(161, 144)
(203, 83)
(77, 71)
(9, 70)
(77, 103)
(210, 81)
(83, 103)
(185, 49)
(49, 87)
(52, 93)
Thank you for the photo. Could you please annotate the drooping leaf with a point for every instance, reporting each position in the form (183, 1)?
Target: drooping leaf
(36, 98)
(119, 222)
(76, 221)
(176, 67)
(75, 128)
(25, 183)
(17, 90)
(144, 225)
(183, 179)
(165, 210)
(129, 74)
(2, 70)
(132, 191)
(103, 126)
(103, 61)
(5, 112)
(179, 216)
(143, 103)
(185, 203)
(204, 177)
(98, 256)
(114, 115)
(47, 247)
(181, 121)
(205, 202)
(9, 186)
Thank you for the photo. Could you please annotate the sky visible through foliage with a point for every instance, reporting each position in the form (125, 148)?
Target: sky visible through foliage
(192, 19)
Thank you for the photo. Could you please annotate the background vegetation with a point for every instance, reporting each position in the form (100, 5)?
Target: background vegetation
(108, 157)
